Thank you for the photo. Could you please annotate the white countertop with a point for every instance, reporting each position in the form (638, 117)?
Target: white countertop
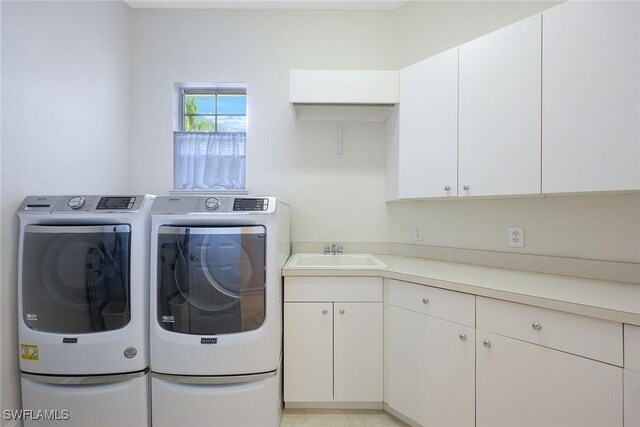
(615, 301)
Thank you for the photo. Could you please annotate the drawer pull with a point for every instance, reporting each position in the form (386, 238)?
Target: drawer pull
(324, 311)
(486, 343)
(536, 326)
(463, 337)
(425, 300)
(342, 311)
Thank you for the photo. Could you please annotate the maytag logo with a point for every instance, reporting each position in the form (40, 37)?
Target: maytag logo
(69, 340)
(208, 340)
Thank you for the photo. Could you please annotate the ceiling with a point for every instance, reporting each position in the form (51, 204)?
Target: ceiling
(268, 4)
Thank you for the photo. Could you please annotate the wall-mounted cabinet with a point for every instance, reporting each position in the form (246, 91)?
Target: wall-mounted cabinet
(428, 128)
(343, 95)
(499, 125)
(469, 119)
(548, 105)
(591, 97)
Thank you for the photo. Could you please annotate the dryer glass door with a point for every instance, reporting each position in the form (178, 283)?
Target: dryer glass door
(211, 280)
(75, 279)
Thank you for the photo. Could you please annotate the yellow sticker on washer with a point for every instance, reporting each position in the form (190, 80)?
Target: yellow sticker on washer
(29, 352)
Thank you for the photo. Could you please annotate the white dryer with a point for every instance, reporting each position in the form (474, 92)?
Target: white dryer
(216, 310)
(83, 309)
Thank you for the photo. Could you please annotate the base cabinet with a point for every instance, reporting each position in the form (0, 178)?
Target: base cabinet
(333, 342)
(357, 357)
(308, 352)
(631, 398)
(431, 369)
(523, 384)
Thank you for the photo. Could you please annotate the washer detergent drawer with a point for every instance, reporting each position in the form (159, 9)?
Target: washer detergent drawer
(124, 402)
(195, 402)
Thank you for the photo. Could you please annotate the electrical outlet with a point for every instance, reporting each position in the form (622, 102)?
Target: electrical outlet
(418, 232)
(515, 237)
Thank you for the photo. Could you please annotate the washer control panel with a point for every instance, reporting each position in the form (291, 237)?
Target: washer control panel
(115, 203)
(76, 202)
(82, 204)
(213, 205)
(251, 204)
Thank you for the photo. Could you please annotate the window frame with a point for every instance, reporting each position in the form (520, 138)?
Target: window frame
(184, 91)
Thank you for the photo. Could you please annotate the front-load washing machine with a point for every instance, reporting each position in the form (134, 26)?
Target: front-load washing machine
(83, 312)
(216, 310)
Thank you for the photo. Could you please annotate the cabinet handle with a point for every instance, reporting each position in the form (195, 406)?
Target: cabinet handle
(425, 300)
(342, 311)
(536, 326)
(486, 343)
(463, 337)
(447, 188)
(466, 188)
(324, 311)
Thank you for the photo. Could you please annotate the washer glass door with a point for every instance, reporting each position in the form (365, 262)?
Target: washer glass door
(211, 280)
(75, 279)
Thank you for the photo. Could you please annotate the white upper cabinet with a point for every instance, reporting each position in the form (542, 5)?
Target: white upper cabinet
(343, 95)
(500, 118)
(428, 128)
(591, 97)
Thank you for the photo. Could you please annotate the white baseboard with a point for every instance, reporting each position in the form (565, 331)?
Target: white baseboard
(333, 405)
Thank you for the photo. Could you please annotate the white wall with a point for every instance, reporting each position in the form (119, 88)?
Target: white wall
(602, 227)
(65, 104)
(332, 200)
(424, 28)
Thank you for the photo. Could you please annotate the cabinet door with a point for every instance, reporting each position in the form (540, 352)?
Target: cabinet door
(428, 147)
(449, 364)
(523, 384)
(308, 352)
(500, 119)
(631, 398)
(406, 370)
(357, 361)
(431, 369)
(591, 97)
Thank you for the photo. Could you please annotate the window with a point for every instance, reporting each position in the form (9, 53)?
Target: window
(214, 110)
(210, 143)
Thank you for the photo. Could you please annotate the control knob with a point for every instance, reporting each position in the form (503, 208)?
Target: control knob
(76, 202)
(212, 203)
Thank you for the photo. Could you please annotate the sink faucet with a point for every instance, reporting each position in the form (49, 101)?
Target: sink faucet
(333, 249)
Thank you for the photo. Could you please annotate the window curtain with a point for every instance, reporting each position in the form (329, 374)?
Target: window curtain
(205, 160)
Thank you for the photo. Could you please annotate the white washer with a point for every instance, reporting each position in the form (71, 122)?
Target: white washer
(83, 309)
(216, 310)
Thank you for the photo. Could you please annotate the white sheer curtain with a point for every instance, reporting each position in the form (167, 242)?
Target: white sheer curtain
(204, 160)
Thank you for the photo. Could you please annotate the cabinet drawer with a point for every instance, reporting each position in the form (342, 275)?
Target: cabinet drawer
(449, 305)
(632, 347)
(585, 336)
(342, 289)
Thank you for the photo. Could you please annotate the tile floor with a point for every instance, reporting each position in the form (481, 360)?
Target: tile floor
(338, 418)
